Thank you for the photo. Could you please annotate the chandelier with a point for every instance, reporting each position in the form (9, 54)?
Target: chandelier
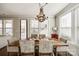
(41, 16)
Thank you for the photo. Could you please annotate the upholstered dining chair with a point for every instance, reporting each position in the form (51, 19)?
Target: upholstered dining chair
(27, 47)
(45, 47)
(42, 36)
(13, 46)
(62, 50)
(34, 36)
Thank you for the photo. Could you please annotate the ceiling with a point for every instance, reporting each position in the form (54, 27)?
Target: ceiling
(29, 9)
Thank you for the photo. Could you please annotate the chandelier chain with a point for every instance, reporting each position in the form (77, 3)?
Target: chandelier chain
(41, 6)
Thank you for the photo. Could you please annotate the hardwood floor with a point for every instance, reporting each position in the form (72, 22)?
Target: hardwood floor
(3, 51)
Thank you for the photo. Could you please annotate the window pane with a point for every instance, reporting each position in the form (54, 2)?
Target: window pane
(8, 23)
(37, 27)
(9, 31)
(0, 31)
(0, 23)
(77, 25)
(23, 29)
(34, 23)
(65, 32)
(0, 27)
(65, 25)
(65, 21)
(34, 26)
(8, 27)
(43, 27)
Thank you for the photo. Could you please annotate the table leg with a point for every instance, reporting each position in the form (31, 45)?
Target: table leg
(55, 50)
(19, 51)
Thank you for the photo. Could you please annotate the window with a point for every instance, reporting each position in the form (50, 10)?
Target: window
(43, 27)
(0, 27)
(8, 27)
(39, 27)
(34, 26)
(23, 29)
(77, 25)
(65, 25)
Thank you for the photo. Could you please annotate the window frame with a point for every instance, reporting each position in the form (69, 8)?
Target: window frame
(4, 27)
(65, 27)
(21, 28)
(38, 30)
(1, 28)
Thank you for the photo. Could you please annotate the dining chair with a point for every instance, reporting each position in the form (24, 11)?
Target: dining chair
(27, 47)
(62, 50)
(63, 40)
(34, 36)
(45, 48)
(41, 36)
(13, 47)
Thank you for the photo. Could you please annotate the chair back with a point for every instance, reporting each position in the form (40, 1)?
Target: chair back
(63, 40)
(13, 41)
(27, 46)
(41, 36)
(45, 46)
(13, 46)
(34, 36)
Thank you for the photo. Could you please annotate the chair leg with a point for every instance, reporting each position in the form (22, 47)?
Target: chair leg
(8, 53)
(66, 53)
(51, 54)
(17, 53)
(33, 54)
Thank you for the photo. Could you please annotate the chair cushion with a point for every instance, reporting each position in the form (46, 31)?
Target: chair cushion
(45, 46)
(12, 49)
(27, 46)
(15, 43)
